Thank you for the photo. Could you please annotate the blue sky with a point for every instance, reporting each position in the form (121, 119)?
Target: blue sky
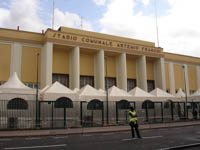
(179, 30)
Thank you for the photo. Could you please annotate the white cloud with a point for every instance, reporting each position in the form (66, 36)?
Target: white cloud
(179, 30)
(99, 2)
(145, 2)
(21, 13)
(25, 13)
(70, 20)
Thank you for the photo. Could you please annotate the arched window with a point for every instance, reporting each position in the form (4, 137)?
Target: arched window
(148, 104)
(123, 104)
(63, 102)
(95, 104)
(17, 103)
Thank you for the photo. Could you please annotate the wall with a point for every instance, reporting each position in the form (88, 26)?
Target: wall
(60, 61)
(86, 64)
(131, 68)
(29, 64)
(5, 51)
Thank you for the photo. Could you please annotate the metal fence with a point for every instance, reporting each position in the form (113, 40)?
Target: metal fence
(21, 114)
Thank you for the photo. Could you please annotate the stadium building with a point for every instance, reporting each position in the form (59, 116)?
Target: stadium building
(76, 58)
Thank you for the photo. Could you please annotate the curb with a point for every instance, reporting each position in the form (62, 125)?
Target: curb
(39, 133)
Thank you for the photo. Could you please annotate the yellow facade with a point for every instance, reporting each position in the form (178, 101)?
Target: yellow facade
(150, 70)
(111, 66)
(167, 76)
(29, 64)
(131, 68)
(86, 64)
(192, 77)
(60, 61)
(5, 57)
(178, 76)
(181, 58)
(21, 36)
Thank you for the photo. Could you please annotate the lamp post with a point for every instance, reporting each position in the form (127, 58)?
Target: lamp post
(185, 92)
(107, 108)
(37, 103)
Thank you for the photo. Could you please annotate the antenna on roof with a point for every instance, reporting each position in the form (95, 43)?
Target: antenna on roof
(81, 22)
(156, 15)
(53, 15)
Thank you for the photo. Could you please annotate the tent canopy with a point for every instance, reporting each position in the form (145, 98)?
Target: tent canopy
(137, 92)
(197, 93)
(88, 93)
(160, 93)
(14, 83)
(180, 93)
(57, 90)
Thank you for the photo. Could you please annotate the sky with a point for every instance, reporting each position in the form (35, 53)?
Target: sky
(178, 23)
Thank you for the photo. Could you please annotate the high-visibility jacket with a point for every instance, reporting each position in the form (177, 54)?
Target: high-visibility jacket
(132, 116)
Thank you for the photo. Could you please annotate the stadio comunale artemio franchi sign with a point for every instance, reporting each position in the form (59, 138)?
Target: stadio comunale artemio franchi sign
(102, 43)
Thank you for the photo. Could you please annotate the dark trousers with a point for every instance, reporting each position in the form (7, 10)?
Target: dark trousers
(136, 129)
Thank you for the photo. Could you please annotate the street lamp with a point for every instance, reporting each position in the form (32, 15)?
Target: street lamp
(107, 109)
(185, 92)
(37, 103)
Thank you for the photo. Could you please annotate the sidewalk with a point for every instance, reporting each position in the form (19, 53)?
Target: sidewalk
(70, 131)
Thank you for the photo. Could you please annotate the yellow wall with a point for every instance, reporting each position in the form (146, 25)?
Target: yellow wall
(192, 77)
(86, 64)
(167, 76)
(178, 76)
(182, 58)
(131, 68)
(5, 51)
(29, 64)
(60, 61)
(21, 36)
(150, 70)
(111, 67)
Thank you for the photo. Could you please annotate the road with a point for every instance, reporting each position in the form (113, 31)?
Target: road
(156, 139)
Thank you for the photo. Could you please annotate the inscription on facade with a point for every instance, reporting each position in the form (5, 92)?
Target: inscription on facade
(107, 43)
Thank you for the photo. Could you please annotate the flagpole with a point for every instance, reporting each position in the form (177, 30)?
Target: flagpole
(156, 15)
(53, 15)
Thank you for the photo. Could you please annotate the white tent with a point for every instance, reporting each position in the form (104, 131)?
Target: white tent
(195, 96)
(88, 93)
(140, 95)
(197, 93)
(180, 93)
(57, 90)
(162, 95)
(116, 94)
(14, 88)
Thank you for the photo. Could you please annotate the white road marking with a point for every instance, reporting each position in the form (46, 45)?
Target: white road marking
(60, 137)
(151, 137)
(108, 133)
(33, 138)
(86, 135)
(35, 147)
(4, 140)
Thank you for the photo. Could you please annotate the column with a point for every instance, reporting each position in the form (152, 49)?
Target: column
(99, 80)
(16, 54)
(141, 73)
(159, 69)
(198, 76)
(121, 71)
(74, 67)
(186, 80)
(171, 78)
(46, 64)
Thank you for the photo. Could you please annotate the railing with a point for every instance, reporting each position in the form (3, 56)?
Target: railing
(12, 116)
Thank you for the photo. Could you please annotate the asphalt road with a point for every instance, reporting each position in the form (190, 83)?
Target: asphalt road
(157, 139)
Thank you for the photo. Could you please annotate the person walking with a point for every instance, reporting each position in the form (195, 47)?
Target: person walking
(133, 122)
